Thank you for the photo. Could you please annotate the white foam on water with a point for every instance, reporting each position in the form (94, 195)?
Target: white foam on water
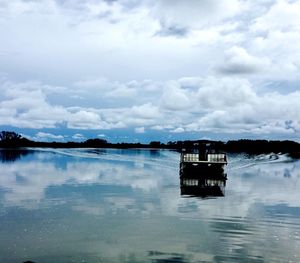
(241, 162)
(168, 160)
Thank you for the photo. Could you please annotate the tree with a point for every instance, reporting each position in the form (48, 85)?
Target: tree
(95, 142)
(155, 144)
(7, 136)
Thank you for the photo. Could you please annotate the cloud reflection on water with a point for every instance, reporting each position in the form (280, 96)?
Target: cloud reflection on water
(24, 182)
(112, 204)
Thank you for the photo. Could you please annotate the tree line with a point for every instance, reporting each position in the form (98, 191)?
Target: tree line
(10, 139)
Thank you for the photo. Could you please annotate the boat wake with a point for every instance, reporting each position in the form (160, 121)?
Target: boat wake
(243, 161)
(166, 159)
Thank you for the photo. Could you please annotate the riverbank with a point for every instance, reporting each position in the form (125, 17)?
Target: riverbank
(13, 140)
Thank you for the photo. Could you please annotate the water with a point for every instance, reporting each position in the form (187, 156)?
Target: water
(89, 205)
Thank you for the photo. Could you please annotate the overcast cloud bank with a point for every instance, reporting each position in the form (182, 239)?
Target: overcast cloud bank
(223, 67)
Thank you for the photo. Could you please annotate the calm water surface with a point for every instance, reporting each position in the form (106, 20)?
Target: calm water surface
(90, 205)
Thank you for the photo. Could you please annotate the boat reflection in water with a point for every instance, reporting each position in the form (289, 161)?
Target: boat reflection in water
(202, 172)
(202, 185)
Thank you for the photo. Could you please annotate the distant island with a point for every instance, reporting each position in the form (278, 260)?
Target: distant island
(10, 139)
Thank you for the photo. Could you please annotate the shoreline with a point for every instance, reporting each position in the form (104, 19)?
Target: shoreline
(12, 140)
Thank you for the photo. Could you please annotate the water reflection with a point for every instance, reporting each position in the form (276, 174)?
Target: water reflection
(208, 185)
(202, 182)
(27, 183)
(161, 257)
(126, 206)
(12, 155)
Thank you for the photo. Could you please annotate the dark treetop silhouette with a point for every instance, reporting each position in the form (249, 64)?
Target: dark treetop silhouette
(10, 139)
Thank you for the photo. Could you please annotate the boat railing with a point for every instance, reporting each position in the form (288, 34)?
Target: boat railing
(216, 157)
(189, 157)
(194, 157)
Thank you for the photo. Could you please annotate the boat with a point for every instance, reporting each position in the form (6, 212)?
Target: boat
(202, 158)
(202, 171)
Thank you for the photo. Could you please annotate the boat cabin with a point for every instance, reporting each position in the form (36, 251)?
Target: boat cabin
(203, 153)
(202, 171)
(202, 158)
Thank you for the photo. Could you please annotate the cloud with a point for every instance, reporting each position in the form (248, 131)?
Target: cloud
(239, 61)
(79, 136)
(146, 111)
(84, 120)
(166, 31)
(260, 115)
(28, 106)
(101, 87)
(178, 130)
(132, 46)
(139, 130)
(273, 35)
(211, 104)
(122, 91)
(195, 13)
(165, 65)
(175, 98)
(45, 136)
(221, 93)
(282, 16)
(127, 44)
(92, 84)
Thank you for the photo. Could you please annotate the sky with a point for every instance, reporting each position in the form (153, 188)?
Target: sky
(137, 71)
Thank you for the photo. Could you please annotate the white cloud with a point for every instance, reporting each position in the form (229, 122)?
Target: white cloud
(121, 92)
(175, 98)
(94, 84)
(29, 107)
(139, 130)
(178, 130)
(267, 114)
(122, 45)
(83, 119)
(282, 16)
(158, 127)
(226, 105)
(100, 65)
(220, 93)
(239, 61)
(48, 136)
(195, 13)
(146, 111)
(78, 136)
